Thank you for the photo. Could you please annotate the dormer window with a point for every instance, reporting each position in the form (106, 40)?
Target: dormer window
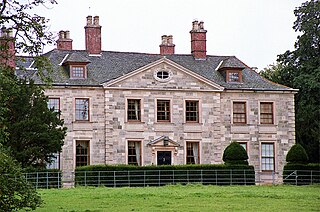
(234, 76)
(78, 72)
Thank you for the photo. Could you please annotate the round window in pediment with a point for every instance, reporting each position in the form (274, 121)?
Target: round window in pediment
(163, 75)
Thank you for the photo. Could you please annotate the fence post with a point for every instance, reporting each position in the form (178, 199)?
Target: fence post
(216, 177)
(245, 177)
(129, 178)
(173, 176)
(230, 176)
(85, 178)
(59, 179)
(98, 178)
(47, 180)
(159, 178)
(37, 181)
(296, 172)
(201, 176)
(114, 179)
(311, 176)
(144, 178)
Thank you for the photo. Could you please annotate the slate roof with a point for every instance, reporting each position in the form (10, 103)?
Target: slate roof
(111, 65)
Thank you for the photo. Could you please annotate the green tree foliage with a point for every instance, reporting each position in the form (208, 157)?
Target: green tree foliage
(297, 154)
(300, 69)
(15, 192)
(235, 154)
(34, 131)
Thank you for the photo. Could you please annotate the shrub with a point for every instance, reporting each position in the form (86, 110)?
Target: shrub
(297, 155)
(235, 154)
(15, 192)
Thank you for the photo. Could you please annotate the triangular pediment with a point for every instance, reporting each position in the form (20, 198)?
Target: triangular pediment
(163, 141)
(177, 78)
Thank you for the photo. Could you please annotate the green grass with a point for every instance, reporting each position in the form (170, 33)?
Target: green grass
(184, 198)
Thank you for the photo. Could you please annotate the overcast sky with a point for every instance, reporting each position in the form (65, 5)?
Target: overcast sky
(255, 31)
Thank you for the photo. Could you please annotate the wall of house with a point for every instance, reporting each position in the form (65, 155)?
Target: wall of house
(281, 133)
(92, 130)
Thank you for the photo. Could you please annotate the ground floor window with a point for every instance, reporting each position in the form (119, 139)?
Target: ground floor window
(134, 153)
(192, 152)
(55, 163)
(267, 156)
(82, 153)
(244, 145)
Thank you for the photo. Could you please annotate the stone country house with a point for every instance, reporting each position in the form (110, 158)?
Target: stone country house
(167, 108)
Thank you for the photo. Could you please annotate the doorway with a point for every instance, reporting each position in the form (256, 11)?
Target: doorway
(164, 158)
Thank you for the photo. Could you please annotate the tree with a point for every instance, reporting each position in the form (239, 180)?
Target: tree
(35, 131)
(297, 155)
(30, 130)
(15, 192)
(235, 154)
(301, 69)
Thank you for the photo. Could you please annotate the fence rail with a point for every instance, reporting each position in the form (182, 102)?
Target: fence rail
(144, 178)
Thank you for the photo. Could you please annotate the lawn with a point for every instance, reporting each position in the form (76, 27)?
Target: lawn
(183, 198)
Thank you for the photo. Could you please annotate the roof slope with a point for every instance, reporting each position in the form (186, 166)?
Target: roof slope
(111, 65)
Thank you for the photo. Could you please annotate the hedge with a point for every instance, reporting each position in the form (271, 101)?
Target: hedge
(301, 174)
(128, 175)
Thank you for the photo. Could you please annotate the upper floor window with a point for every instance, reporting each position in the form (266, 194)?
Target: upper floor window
(234, 76)
(54, 103)
(134, 110)
(163, 110)
(134, 153)
(192, 153)
(239, 113)
(78, 72)
(192, 111)
(266, 113)
(82, 109)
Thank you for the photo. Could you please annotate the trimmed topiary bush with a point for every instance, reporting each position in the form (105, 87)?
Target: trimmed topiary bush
(235, 154)
(297, 155)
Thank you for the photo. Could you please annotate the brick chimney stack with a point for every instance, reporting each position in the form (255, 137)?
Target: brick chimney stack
(7, 48)
(166, 46)
(93, 35)
(64, 42)
(198, 40)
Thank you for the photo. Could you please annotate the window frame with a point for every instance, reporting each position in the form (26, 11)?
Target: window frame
(75, 76)
(189, 156)
(87, 155)
(131, 110)
(246, 145)
(239, 113)
(262, 157)
(80, 109)
(196, 111)
(228, 79)
(168, 106)
(266, 113)
(134, 155)
(58, 100)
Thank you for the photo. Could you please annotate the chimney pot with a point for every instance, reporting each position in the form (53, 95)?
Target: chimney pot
(89, 20)
(67, 34)
(170, 39)
(96, 20)
(164, 39)
(61, 34)
(201, 25)
(195, 25)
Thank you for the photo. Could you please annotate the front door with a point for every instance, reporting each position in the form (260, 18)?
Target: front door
(164, 157)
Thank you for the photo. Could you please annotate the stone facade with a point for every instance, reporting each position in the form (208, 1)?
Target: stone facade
(108, 129)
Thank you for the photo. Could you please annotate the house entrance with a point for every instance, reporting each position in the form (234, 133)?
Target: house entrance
(164, 157)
